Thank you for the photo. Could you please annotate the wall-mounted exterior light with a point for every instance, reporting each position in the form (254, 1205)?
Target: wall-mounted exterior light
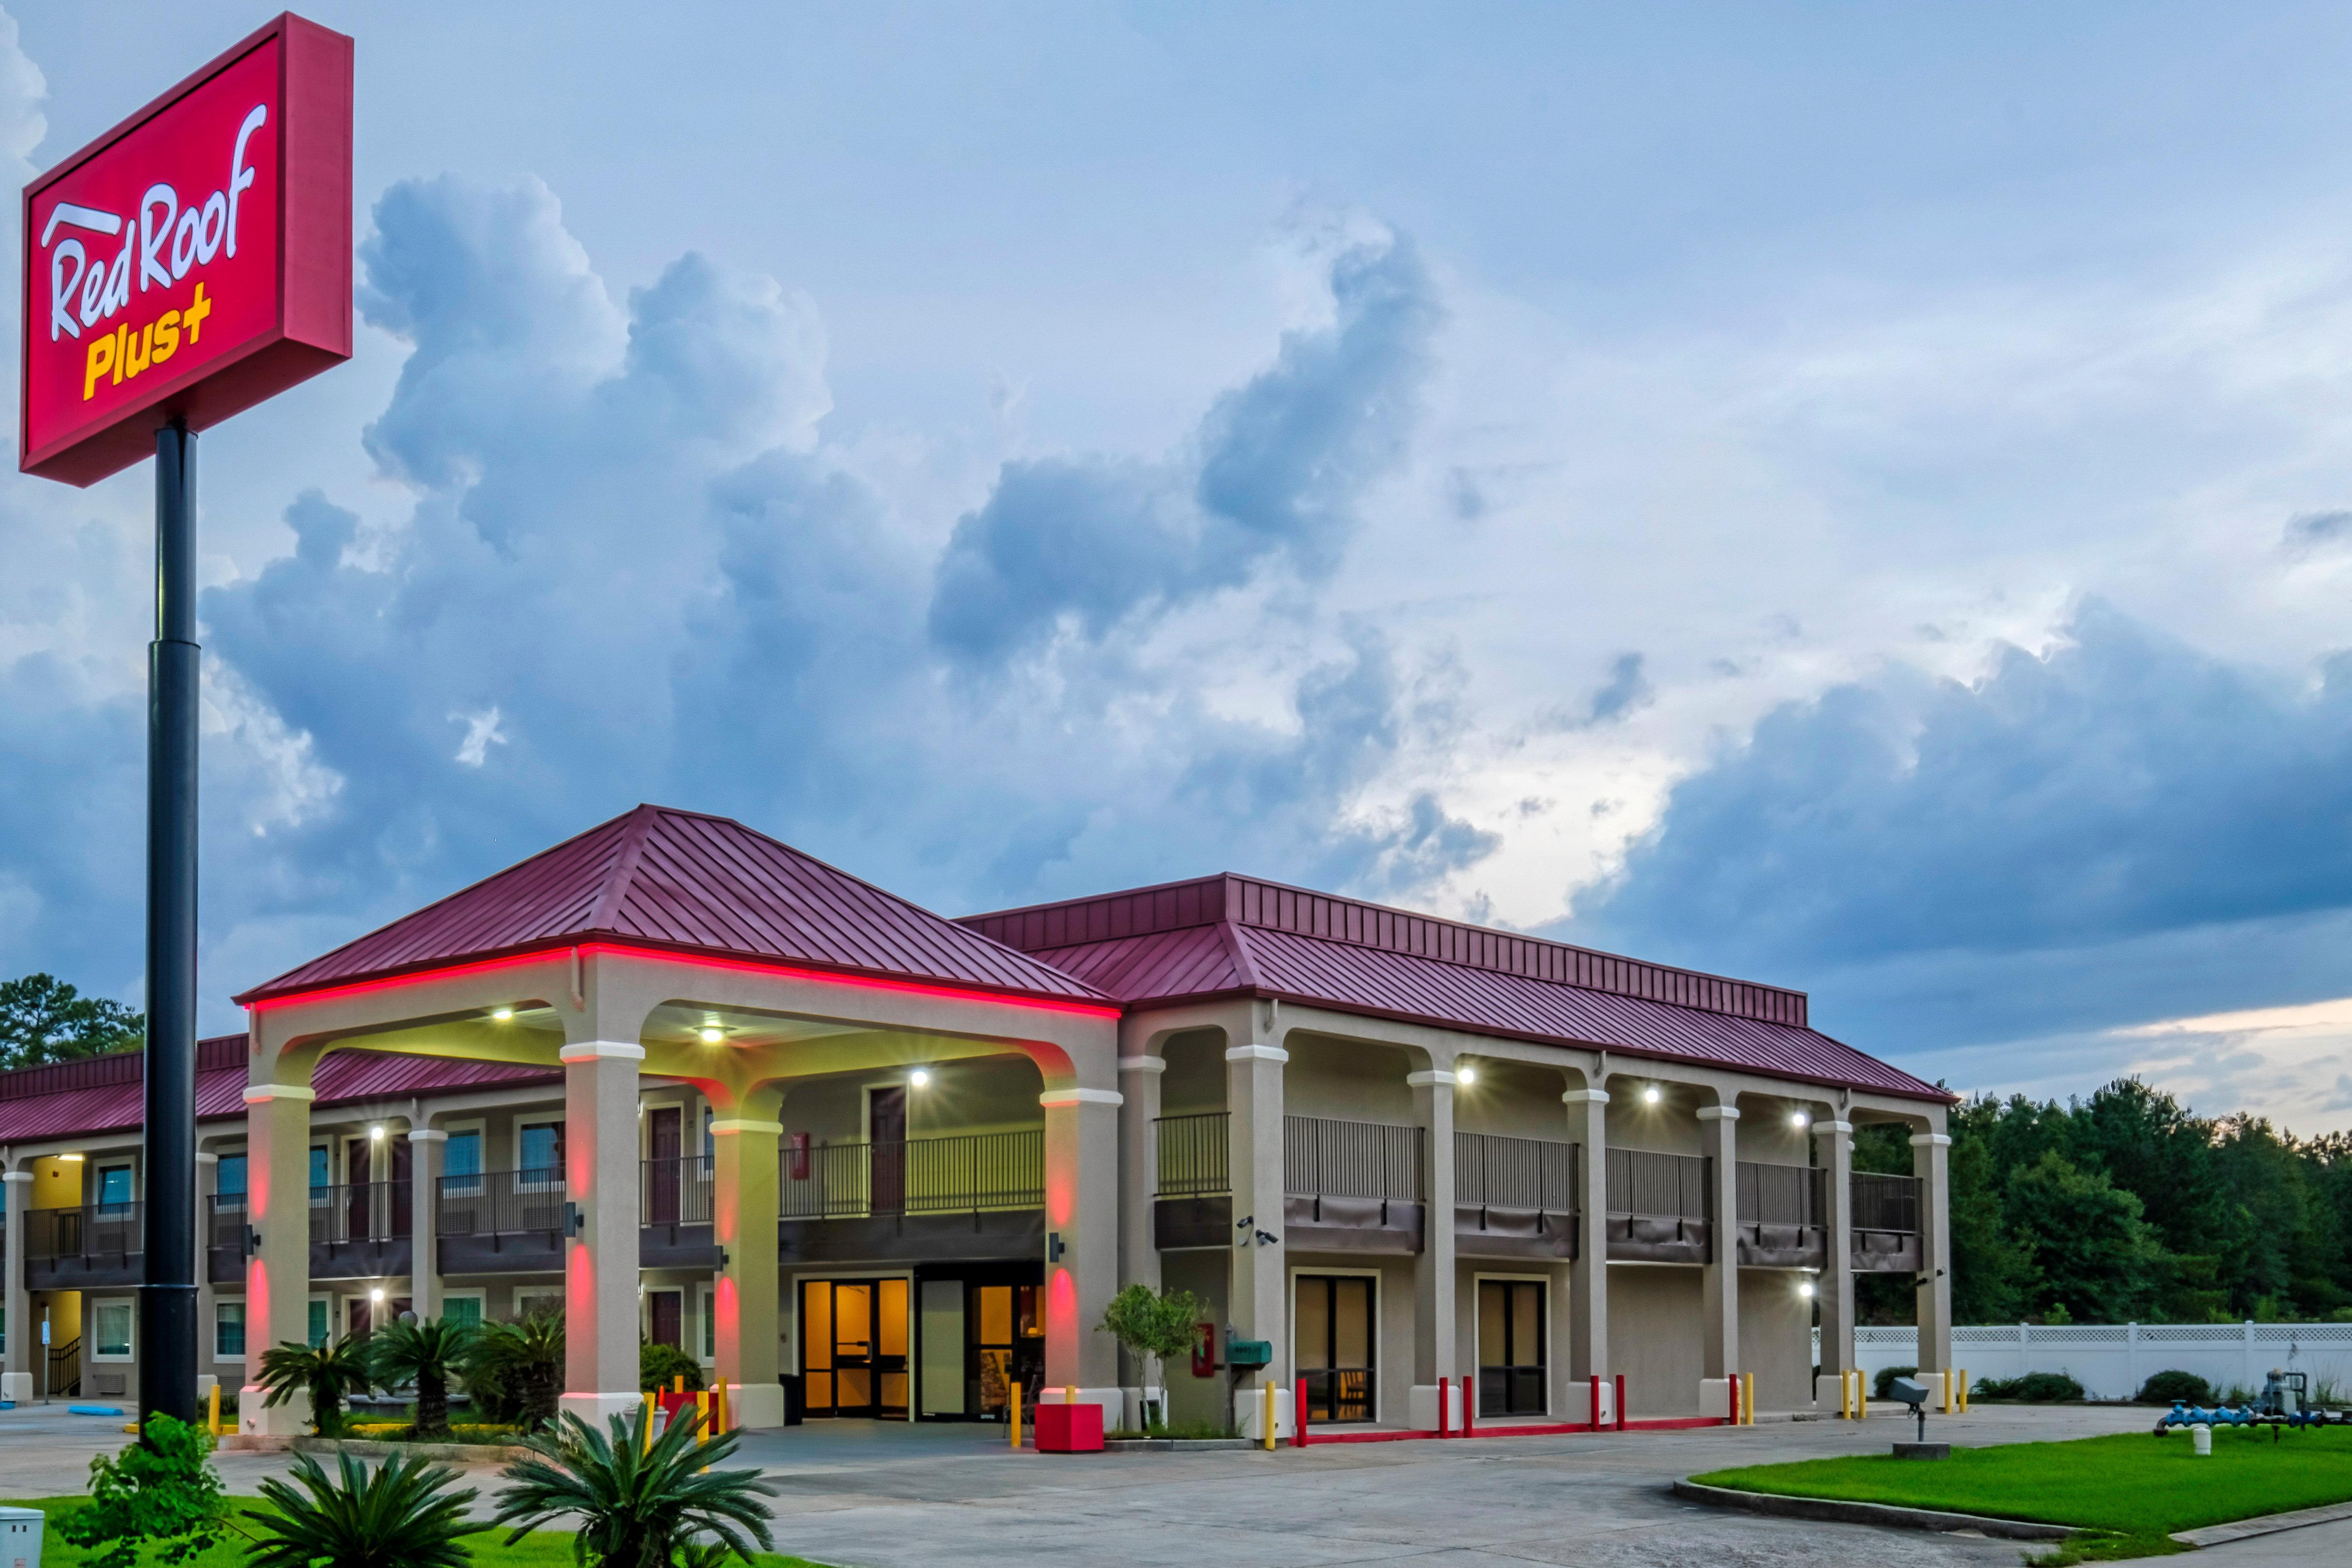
(1799, 1121)
(376, 1133)
(1466, 1076)
(920, 1078)
(1651, 1096)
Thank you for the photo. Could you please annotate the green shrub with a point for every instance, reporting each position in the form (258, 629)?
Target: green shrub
(2033, 1388)
(660, 1366)
(638, 1505)
(2164, 1387)
(161, 1492)
(1883, 1385)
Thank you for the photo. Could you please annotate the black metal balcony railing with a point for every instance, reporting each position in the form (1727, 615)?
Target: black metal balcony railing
(1657, 1186)
(501, 1203)
(1885, 1202)
(971, 1173)
(1536, 1174)
(89, 1231)
(361, 1211)
(1782, 1195)
(1194, 1160)
(674, 1192)
(1325, 1158)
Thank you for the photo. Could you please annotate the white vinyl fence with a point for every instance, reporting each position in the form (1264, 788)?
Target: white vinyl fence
(2112, 1359)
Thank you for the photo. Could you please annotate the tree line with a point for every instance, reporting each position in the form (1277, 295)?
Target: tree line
(2128, 1207)
(43, 1019)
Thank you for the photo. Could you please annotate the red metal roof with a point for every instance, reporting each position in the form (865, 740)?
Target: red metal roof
(681, 881)
(1238, 936)
(102, 1094)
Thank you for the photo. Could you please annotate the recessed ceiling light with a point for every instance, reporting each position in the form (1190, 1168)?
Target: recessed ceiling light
(712, 1034)
(502, 1013)
(71, 1159)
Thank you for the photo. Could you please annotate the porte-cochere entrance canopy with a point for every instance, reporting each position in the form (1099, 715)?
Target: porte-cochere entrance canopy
(669, 945)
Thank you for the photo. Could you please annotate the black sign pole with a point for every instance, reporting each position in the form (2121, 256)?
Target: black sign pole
(167, 1295)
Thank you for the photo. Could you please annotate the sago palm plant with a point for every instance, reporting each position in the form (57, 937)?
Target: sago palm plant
(428, 1354)
(403, 1516)
(635, 1506)
(524, 1357)
(329, 1373)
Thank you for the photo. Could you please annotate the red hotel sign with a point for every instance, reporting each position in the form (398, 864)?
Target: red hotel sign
(194, 260)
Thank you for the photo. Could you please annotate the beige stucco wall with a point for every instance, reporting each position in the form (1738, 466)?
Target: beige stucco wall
(1776, 1338)
(1654, 1337)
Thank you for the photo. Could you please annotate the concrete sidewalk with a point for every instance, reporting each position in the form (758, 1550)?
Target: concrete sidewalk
(887, 1495)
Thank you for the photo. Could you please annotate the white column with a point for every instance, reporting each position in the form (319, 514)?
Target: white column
(600, 1262)
(1434, 1287)
(1139, 1242)
(277, 1268)
(1255, 1305)
(1588, 1289)
(1718, 1136)
(1930, 1161)
(1834, 1289)
(1082, 1224)
(17, 1381)
(426, 1146)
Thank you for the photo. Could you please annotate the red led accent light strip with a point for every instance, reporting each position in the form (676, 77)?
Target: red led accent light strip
(706, 961)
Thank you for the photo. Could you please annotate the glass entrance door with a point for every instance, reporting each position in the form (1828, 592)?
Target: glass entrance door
(1334, 1339)
(1008, 1348)
(854, 1347)
(1511, 1379)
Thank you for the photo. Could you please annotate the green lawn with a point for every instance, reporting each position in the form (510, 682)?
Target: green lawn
(2136, 1488)
(540, 1549)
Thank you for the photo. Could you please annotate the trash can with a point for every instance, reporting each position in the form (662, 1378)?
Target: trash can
(20, 1538)
(795, 1402)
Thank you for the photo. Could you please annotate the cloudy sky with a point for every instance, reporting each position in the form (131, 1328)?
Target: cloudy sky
(1854, 497)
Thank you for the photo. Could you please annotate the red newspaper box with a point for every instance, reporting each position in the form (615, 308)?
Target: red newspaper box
(1069, 1428)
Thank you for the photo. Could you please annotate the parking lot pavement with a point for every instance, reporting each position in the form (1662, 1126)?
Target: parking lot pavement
(885, 1495)
(2318, 1543)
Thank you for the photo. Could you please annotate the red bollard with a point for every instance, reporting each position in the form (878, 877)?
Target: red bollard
(1442, 1429)
(1298, 1416)
(1593, 1411)
(1469, 1405)
(1620, 1401)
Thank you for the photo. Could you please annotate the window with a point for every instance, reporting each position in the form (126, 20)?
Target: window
(537, 1303)
(230, 1179)
(114, 1187)
(228, 1331)
(541, 1150)
(465, 1310)
(318, 1324)
(461, 1163)
(110, 1335)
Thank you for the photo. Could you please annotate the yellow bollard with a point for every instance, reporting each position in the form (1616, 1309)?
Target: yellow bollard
(1748, 1399)
(701, 1418)
(1013, 1410)
(1268, 1429)
(1964, 1391)
(651, 1411)
(1861, 1395)
(212, 1419)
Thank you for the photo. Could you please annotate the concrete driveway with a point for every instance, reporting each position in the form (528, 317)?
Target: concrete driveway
(890, 1496)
